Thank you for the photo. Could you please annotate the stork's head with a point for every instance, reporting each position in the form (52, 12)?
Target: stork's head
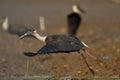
(77, 9)
(5, 23)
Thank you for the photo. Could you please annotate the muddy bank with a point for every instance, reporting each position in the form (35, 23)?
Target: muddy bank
(99, 29)
(103, 45)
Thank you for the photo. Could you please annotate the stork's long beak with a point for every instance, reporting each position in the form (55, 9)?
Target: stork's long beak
(24, 35)
(29, 33)
(82, 10)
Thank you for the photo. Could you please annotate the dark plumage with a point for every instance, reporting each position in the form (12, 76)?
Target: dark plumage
(18, 29)
(74, 20)
(58, 43)
(14, 28)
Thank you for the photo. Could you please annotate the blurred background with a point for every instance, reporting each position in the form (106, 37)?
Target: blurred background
(100, 29)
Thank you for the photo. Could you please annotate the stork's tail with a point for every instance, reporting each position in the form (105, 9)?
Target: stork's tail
(30, 54)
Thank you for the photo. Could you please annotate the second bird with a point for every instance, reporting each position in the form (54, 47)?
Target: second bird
(14, 28)
(74, 19)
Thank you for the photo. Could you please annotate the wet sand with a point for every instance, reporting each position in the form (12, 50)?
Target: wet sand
(100, 29)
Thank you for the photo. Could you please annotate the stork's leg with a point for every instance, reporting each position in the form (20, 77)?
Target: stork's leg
(93, 57)
(91, 70)
(89, 54)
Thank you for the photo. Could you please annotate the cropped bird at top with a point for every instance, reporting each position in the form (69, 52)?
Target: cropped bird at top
(74, 19)
(14, 28)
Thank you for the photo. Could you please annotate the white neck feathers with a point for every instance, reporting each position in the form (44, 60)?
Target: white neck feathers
(76, 9)
(5, 24)
(85, 44)
(42, 38)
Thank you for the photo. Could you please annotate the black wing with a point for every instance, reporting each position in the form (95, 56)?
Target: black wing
(61, 46)
(74, 21)
(56, 47)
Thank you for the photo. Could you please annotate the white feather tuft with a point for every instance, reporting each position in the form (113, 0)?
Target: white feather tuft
(85, 44)
(42, 23)
(76, 9)
(5, 23)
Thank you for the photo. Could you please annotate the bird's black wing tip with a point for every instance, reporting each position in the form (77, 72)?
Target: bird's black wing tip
(30, 54)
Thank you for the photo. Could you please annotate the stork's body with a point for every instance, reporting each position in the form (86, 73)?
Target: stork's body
(65, 46)
(14, 28)
(74, 20)
(58, 43)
